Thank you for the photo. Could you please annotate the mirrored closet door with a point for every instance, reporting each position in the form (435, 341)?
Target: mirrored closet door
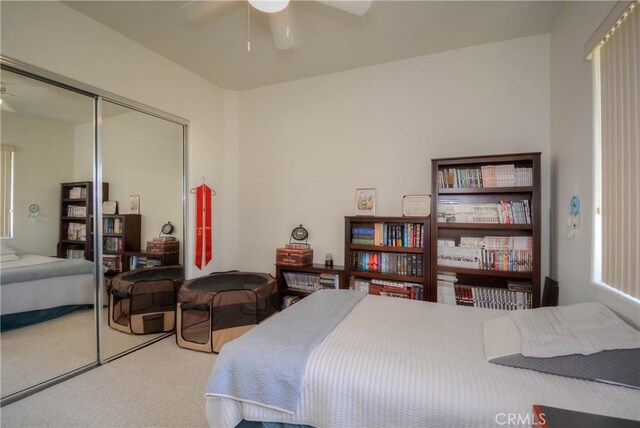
(47, 302)
(92, 188)
(142, 167)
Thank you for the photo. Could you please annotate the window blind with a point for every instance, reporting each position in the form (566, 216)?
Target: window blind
(6, 190)
(619, 66)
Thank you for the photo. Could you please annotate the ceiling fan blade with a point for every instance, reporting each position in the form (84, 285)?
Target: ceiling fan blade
(355, 7)
(205, 10)
(6, 107)
(283, 29)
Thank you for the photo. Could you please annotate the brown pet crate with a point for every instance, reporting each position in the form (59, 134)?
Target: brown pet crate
(213, 310)
(143, 301)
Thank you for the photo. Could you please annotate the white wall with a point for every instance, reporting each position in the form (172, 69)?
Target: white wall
(54, 37)
(572, 153)
(37, 179)
(305, 146)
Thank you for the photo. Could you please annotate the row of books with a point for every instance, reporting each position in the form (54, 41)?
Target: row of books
(491, 242)
(407, 235)
(504, 212)
(77, 231)
(139, 262)
(76, 211)
(311, 281)
(380, 287)
(77, 193)
(506, 175)
(288, 301)
(486, 259)
(112, 263)
(391, 263)
(111, 225)
(73, 253)
(111, 243)
(516, 296)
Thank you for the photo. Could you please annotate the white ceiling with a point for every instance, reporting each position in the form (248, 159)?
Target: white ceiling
(330, 40)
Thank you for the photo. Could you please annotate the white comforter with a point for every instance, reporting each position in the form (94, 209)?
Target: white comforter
(399, 363)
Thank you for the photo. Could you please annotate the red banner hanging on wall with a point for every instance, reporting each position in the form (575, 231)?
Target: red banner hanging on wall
(203, 225)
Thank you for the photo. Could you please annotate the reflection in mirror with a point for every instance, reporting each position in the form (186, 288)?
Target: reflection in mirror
(143, 166)
(47, 315)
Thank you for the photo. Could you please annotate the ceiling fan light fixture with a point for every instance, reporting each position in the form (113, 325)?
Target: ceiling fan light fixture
(269, 6)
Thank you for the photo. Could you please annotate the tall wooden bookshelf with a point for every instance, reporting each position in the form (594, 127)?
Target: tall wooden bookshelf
(471, 186)
(76, 214)
(400, 254)
(121, 233)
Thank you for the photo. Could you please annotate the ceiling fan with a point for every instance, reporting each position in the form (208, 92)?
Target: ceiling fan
(4, 105)
(279, 13)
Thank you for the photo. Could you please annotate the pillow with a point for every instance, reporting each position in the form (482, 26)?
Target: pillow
(585, 328)
(5, 249)
(8, 258)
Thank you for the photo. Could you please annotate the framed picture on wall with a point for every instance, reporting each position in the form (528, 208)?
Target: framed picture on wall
(134, 204)
(366, 201)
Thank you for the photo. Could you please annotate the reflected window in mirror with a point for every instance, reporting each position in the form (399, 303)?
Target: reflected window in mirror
(6, 197)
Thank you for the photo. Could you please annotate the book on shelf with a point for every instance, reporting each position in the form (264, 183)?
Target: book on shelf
(390, 263)
(502, 175)
(112, 263)
(503, 212)
(386, 288)
(112, 243)
(516, 296)
(406, 235)
(76, 232)
(500, 253)
(76, 211)
(76, 193)
(111, 225)
(73, 253)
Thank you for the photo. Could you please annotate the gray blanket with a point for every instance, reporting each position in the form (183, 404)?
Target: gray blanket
(618, 367)
(64, 267)
(265, 366)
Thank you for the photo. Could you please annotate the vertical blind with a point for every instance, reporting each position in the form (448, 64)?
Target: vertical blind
(6, 174)
(619, 68)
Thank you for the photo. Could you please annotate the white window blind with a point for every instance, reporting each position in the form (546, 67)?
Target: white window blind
(6, 191)
(618, 158)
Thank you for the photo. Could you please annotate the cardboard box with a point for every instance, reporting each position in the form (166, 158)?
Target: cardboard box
(293, 257)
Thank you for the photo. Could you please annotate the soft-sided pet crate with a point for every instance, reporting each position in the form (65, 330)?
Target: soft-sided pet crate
(143, 301)
(215, 309)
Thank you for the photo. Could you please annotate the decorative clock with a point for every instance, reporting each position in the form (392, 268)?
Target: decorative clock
(167, 229)
(299, 234)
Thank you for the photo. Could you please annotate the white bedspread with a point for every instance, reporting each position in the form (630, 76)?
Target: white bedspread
(399, 363)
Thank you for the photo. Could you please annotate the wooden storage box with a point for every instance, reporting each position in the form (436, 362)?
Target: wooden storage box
(291, 257)
(162, 247)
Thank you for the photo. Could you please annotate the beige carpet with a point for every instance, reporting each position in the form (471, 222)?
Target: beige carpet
(39, 352)
(161, 385)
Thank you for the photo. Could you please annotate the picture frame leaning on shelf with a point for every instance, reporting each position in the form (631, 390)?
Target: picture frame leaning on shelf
(365, 201)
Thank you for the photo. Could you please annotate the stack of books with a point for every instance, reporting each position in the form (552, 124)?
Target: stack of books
(505, 175)
(501, 253)
(504, 212)
(74, 253)
(391, 263)
(406, 235)
(380, 287)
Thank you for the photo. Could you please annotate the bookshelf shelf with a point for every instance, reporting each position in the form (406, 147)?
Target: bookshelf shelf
(487, 244)
(401, 264)
(494, 226)
(76, 210)
(121, 233)
(387, 276)
(485, 272)
(485, 190)
(315, 268)
(387, 249)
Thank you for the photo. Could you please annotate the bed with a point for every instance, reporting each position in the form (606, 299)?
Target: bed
(395, 362)
(37, 288)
